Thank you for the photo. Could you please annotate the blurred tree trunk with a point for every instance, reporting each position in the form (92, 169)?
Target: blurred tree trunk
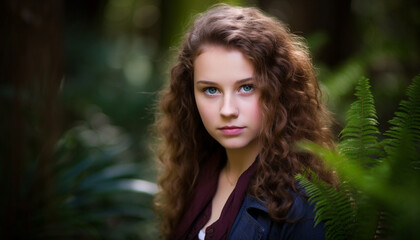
(334, 18)
(30, 73)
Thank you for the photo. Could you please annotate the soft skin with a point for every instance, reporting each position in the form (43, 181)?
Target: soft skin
(227, 98)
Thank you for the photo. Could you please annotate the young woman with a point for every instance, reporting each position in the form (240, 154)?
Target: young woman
(242, 93)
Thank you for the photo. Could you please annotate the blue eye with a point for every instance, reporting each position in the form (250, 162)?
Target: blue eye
(247, 88)
(211, 90)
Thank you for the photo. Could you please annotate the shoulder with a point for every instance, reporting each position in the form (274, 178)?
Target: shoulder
(301, 223)
(254, 222)
(301, 208)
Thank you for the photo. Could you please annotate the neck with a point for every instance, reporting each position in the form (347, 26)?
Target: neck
(239, 160)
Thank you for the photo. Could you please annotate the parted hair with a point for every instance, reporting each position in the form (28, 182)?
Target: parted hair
(290, 103)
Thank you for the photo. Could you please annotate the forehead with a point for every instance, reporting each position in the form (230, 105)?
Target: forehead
(221, 63)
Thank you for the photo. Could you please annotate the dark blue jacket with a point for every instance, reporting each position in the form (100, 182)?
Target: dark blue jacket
(253, 222)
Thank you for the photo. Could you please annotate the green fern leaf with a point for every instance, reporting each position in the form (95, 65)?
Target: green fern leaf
(359, 137)
(404, 135)
(402, 149)
(380, 181)
(332, 207)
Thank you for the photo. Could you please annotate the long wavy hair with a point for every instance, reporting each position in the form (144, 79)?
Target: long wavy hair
(290, 102)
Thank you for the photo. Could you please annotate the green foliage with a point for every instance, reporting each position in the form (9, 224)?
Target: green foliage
(99, 194)
(94, 193)
(359, 139)
(378, 191)
(333, 207)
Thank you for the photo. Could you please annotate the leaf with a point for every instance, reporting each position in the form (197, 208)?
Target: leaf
(359, 137)
(332, 207)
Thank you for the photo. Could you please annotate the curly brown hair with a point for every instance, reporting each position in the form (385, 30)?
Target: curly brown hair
(290, 103)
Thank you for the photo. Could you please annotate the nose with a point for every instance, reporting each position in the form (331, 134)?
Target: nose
(229, 107)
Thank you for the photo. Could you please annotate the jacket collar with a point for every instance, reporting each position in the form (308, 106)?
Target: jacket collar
(252, 202)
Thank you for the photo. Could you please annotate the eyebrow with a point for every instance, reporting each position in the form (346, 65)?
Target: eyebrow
(237, 82)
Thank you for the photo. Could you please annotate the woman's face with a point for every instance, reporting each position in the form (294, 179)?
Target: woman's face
(226, 97)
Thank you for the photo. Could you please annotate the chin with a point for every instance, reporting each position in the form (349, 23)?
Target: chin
(234, 145)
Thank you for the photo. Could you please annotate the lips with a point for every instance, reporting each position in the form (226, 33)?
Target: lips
(231, 130)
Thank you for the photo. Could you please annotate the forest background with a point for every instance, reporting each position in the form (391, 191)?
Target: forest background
(79, 82)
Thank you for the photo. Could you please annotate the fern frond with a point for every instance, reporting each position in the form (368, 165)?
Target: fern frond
(366, 180)
(404, 135)
(382, 186)
(359, 137)
(365, 188)
(403, 157)
(332, 207)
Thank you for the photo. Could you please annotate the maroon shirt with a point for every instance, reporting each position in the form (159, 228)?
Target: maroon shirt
(198, 213)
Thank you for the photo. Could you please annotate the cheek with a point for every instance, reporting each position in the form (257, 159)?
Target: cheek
(256, 114)
(205, 110)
